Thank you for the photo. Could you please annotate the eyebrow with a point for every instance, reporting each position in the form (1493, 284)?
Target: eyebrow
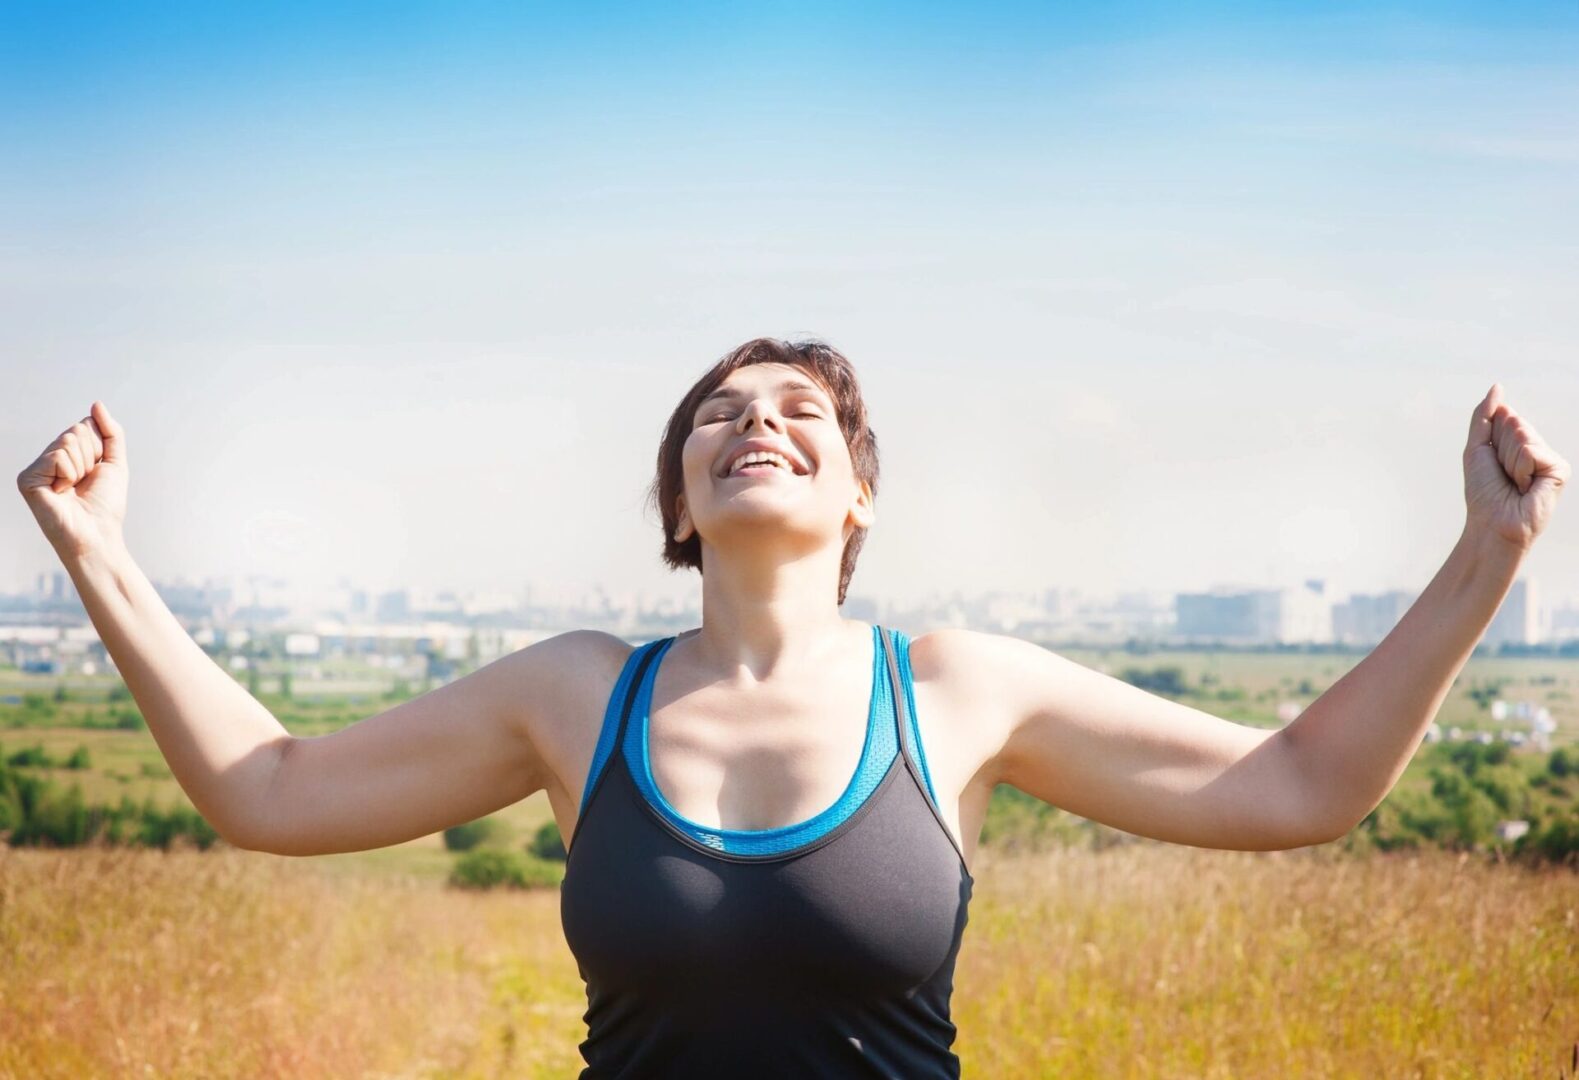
(789, 384)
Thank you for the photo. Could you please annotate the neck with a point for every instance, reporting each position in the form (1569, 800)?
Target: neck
(763, 615)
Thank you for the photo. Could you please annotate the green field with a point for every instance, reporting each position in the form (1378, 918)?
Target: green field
(1246, 687)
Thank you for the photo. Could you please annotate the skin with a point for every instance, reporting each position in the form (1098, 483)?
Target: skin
(757, 714)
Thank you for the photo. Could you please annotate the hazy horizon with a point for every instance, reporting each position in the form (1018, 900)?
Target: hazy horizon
(1138, 299)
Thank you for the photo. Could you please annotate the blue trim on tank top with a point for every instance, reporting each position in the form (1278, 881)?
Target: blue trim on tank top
(878, 750)
(611, 720)
(902, 641)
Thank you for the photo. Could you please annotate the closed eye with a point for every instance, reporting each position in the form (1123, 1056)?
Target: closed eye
(721, 417)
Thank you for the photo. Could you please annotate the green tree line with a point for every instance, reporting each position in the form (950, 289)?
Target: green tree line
(37, 811)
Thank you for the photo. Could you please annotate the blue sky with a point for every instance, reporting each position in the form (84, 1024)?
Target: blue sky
(1141, 296)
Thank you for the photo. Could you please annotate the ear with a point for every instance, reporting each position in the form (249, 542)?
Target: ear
(682, 527)
(864, 511)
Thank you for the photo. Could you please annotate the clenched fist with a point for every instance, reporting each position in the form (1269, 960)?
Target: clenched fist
(1511, 476)
(77, 487)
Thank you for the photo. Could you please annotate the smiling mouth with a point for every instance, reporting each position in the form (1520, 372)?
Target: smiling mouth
(763, 469)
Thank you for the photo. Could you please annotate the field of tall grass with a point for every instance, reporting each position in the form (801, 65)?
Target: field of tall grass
(1145, 960)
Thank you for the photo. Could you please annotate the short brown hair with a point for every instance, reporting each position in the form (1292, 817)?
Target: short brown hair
(819, 360)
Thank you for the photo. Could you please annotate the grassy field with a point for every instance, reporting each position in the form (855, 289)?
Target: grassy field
(1143, 961)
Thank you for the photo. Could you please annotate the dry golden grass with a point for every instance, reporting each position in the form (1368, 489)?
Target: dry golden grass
(1153, 960)
(233, 964)
(1142, 961)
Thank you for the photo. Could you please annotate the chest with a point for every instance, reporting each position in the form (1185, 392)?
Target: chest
(774, 756)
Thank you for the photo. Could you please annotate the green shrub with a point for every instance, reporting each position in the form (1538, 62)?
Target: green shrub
(160, 828)
(79, 758)
(34, 755)
(1560, 763)
(1558, 839)
(488, 869)
(1470, 756)
(483, 832)
(57, 819)
(1483, 694)
(36, 811)
(1167, 680)
(547, 843)
(1507, 786)
(20, 795)
(1403, 822)
(1471, 815)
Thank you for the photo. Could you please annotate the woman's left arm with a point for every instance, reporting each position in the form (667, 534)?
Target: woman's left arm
(1354, 741)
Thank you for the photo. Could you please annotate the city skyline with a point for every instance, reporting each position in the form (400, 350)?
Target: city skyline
(1226, 615)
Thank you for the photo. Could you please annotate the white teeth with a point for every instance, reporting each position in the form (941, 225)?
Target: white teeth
(759, 456)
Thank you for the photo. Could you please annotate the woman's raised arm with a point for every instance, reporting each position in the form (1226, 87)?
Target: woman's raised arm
(454, 754)
(1114, 753)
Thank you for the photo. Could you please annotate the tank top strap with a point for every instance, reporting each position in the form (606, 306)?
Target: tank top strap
(896, 648)
(616, 715)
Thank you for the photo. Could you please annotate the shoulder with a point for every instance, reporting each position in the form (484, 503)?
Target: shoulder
(575, 656)
(561, 678)
(976, 683)
(560, 687)
(963, 660)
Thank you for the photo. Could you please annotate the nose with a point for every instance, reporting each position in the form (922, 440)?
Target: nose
(761, 412)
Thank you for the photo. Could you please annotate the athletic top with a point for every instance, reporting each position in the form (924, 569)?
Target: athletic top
(824, 948)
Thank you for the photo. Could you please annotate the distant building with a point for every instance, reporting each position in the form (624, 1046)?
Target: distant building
(1365, 619)
(1512, 830)
(1517, 621)
(394, 606)
(1562, 624)
(1256, 616)
(301, 645)
(1006, 611)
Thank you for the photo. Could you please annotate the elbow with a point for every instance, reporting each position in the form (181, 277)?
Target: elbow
(252, 836)
(1333, 830)
(258, 827)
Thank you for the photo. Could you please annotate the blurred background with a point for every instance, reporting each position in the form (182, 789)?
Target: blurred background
(395, 299)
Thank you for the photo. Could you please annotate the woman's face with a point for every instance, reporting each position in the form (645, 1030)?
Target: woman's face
(816, 499)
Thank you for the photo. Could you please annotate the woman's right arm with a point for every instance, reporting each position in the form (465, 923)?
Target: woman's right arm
(454, 754)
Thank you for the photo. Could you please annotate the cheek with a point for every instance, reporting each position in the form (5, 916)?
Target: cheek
(836, 461)
(695, 462)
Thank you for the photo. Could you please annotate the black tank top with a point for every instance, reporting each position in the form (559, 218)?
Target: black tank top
(820, 949)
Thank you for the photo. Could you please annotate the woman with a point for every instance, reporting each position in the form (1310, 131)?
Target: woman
(758, 884)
